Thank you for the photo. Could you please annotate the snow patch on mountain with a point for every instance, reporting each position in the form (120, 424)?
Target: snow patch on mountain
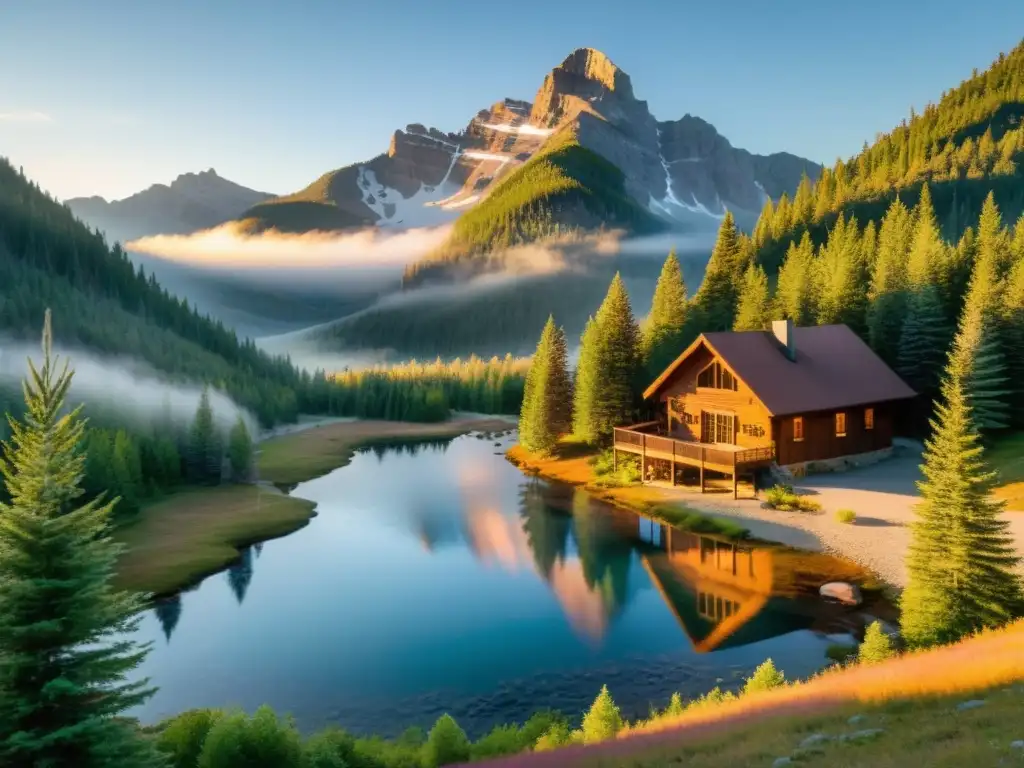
(423, 209)
(525, 129)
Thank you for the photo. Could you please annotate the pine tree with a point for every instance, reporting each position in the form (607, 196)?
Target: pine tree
(886, 296)
(64, 658)
(765, 678)
(794, 289)
(662, 330)
(753, 310)
(546, 399)
(616, 360)
(240, 451)
(876, 646)
(602, 720)
(715, 301)
(585, 382)
(204, 444)
(839, 274)
(923, 341)
(961, 562)
(803, 202)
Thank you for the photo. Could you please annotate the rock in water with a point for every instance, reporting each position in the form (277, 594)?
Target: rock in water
(841, 591)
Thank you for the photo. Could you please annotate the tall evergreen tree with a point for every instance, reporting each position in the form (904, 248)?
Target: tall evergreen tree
(962, 561)
(715, 300)
(839, 274)
(794, 289)
(204, 444)
(661, 336)
(63, 656)
(240, 451)
(545, 413)
(617, 360)
(753, 310)
(887, 292)
(585, 384)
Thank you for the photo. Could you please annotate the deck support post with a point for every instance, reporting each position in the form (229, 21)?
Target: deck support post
(643, 459)
(702, 469)
(735, 482)
(672, 463)
(615, 456)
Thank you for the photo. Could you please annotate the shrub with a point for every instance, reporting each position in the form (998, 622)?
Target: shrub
(446, 743)
(331, 748)
(262, 741)
(628, 472)
(877, 645)
(558, 735)
(785, 499)
(501, 740)
(675, 706)
(690, 520)
(182, 738)
(602, 720)
(765, 678)
(846, 516)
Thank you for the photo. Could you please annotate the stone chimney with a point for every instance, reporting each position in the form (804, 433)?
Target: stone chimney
(783, 332)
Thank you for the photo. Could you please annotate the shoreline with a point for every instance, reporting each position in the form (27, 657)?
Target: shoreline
(878, 548)
(180, 539)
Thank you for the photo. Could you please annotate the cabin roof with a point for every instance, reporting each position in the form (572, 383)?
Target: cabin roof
(834, 368)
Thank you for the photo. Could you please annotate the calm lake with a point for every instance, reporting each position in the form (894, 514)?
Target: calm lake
(439, 578)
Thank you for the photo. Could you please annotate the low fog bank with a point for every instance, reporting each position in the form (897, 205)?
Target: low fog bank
(126, 388)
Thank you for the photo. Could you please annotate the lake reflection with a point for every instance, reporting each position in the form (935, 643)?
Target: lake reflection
(438, 578)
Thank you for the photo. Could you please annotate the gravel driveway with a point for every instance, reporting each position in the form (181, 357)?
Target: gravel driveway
(883, 496)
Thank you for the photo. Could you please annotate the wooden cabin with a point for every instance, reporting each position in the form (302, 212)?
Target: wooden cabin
(734, 402)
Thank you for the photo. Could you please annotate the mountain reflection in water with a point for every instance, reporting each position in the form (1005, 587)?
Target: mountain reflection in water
(438, 578)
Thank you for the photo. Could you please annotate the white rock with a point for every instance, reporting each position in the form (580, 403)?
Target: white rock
(855, 719)
(867, 733)
(781, 761)
(814, 738)
(1018, 744)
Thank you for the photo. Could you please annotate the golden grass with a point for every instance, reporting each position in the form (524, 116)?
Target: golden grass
(178, 540)
(310, 453)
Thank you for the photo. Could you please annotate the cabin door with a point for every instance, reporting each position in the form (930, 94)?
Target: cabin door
(717, 427)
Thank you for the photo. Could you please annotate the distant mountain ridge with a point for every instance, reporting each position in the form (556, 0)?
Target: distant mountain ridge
(683, 172)
(193, 201)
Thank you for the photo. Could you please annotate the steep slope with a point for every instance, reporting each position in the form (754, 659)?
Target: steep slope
(191, 202)
(100, 302)
(968, 143)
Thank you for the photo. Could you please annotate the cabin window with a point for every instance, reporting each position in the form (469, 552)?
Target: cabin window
(840, 425)
(716, 376)
(869, 418)
(798, 428)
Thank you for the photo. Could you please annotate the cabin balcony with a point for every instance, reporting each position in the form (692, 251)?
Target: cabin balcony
(670, 455)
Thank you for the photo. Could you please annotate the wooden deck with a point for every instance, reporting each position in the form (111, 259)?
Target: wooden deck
(642, 440)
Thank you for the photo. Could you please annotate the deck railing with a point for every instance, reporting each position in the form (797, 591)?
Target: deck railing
(638, 438)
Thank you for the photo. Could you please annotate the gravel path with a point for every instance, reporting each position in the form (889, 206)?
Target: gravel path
(883, 496)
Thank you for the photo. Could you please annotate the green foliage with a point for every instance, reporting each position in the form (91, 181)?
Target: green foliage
(661, 333)
(204, 448)
(513, 739)
(841, 652)
(627, 473)
(557, 736)
(602, 720)
(182, 737)
(686, 519)
(765, 678)
(426, 392)
(606, 373)
(794, 290)
(785, 499)
(561, 190)
(752, 311)
(1011, 330)
(887, 292)
(840, 277)
(876, 646)
(237, 740)
(64, 659)
(846, 516)
(714, 304)
(240, 451)
(547, 396)
(961, 562)
(446, 743)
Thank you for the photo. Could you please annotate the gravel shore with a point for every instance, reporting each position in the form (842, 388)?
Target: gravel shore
(883, 496)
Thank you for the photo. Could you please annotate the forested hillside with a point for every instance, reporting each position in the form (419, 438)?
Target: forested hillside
(562, 189)
(967, 144)
(100, 301)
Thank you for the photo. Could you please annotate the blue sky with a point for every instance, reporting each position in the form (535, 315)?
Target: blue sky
(109, 96)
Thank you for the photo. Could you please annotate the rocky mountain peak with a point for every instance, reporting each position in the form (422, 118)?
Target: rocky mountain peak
(585, 82)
